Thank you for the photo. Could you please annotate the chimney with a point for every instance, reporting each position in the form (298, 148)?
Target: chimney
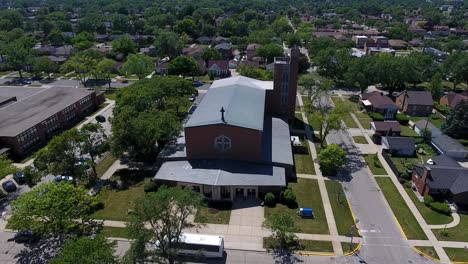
(222, 114)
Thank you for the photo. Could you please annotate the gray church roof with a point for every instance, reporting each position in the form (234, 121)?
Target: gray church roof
(242, 98)
(222, 173)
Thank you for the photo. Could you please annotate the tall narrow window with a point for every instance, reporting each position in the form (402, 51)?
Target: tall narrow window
(222, 143)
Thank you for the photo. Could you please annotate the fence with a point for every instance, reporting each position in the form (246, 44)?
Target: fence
(390, 163)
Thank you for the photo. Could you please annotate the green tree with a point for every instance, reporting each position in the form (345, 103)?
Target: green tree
(293, 40)
(53, 209)
(270, 51)
(82, 64)
(83, 41)
(19, 54)
(436, 86)
(390, 72)
(124, 45)
(85, 250)
(187, 26)
(104, 69)
(168, 44)
(44, 64)
(138, 64)
(331, 159)
(333, 63)
(32, 176)
(55, 37)
(457, 121)
(282, 226)
(211, 54)
(166, 212)
(6, 166)
(281, 26)
(93, 141)
(184, 65)
(255, 73)
(456, 68)
(360, 72)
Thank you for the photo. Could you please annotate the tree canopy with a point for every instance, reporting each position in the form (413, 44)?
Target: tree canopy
(85, 250)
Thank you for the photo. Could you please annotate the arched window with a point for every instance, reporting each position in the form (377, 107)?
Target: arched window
(222, 143)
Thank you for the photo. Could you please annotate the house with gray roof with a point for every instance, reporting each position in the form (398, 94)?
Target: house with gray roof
(415, 103)
(399, 146)
(444, 176)
(237, 141)
(449, 146)
(423, 124)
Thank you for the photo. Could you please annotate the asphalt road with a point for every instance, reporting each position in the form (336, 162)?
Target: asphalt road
(383, 240)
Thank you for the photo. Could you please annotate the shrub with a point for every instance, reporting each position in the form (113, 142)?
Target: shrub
(443, 109)
(150, 187)
(270, 199)
(289, 197)
(442, 208)
(377, 116)
(407, 184)
(402, 119)
(428, 200)
(331, 159)
(444, 233)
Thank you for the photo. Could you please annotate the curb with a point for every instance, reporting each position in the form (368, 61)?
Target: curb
(358, 231)
(312, 253)
(425, 255)
(354, 250)
(399, 226)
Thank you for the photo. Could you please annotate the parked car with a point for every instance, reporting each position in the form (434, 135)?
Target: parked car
(9, 186)
(197, 83)
(61, 178)
(25, 237)
(19, 178)
(25, 81)
(100, 119)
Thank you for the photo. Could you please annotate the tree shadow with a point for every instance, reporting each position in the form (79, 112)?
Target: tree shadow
(41, 252)
(284, 256)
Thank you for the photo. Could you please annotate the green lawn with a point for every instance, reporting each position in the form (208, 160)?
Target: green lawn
(303, 159)
(430, 251)
(348, 246)
(110, 95)
(458, 233)
(341, 211)
(117, 203)
(307, 195)
(306, 245)
(400, 209)
(406, 131)
(374, 164)
(347, 118)
(363, 118)
(110, 231)
(457, 254)
(105, 164)
(434, 119)
(420, 158)
(432, 217)
(360, 140)
(214, 213)
(349, 121)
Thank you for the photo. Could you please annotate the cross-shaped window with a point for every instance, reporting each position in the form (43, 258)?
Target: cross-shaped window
(222, 143)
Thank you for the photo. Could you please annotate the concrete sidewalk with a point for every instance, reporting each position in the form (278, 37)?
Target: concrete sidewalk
(454, 223)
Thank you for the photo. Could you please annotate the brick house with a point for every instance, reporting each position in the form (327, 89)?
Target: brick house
(444, 177)
(415, 103)
(225, 49)
(251, 50)
(218, 68)
(451, 99)
(385, 128)
(237, 141)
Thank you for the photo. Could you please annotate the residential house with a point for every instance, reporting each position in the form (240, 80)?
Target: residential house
(225, 49)
(440, 31)
(360, 41)
(385, 129)
(452, 99)
(415, 103)
(202, 66)
(444, 177)
(416, 42)
(219, 40)
(148, 51)
(48, 50)
(439, 55)
(449, 146)
(422, 125)
(378, 102)
(203, 40)
(254, 64)
(194, 52)
(219, 68)
(251, 50)
(398, 44)
(399, 146)
(162, 68)
(236, 144)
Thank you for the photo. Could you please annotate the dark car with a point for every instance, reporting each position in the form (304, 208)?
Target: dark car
(197, 83)
(63, 178)
(100, 119)
(25, 81)
(9, 186)
(19, 177)
(26, 237)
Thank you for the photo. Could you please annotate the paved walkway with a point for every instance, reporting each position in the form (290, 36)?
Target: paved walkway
(321, 182)
(448, 244)
(247, 213)
(454, 223)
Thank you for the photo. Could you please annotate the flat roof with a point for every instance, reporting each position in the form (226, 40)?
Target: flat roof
(242, 98)
(19, 92)
(202, 239)
(277, 142)
(222, 173)
(30, 111)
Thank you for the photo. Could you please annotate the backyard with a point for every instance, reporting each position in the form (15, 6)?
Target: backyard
(307, 195)
(400, 162)
(434, 119)
(401, 211)
(341, 211)
(302, 158)
(374, 164)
